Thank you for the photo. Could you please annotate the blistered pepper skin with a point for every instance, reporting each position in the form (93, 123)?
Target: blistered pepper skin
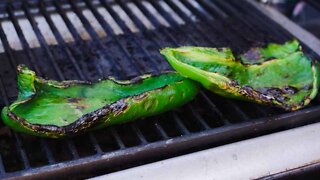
(277, 75)
(58, 109)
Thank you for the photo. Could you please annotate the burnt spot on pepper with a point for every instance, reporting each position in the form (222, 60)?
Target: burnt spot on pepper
(289, 90)
(74, 100)
(253, 55)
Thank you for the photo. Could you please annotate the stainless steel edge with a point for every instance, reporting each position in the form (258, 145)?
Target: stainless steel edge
(249, 159)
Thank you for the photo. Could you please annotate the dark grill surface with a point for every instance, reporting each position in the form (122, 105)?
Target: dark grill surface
(208, 121)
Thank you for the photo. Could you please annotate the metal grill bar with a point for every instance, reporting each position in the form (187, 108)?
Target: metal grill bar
(137, 131)
(95, 143)
(3, 92)
(6, 46)
(2, 171)
(6, 101)
(22, 152)
(9, 69)
(180, 125)
(72, 149)
(117, 138)
(47, 151)
(214, 108)
(198, 117)
(160, 130)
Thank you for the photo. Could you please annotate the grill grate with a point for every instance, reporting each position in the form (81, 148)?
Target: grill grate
(122, 39)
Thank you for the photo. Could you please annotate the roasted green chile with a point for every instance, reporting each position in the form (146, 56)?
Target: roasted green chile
(278, 75)
(55, 109)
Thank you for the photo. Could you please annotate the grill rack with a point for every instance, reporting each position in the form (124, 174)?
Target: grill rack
(212, 23)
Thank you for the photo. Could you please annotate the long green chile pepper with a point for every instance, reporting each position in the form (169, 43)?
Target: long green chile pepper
(278, 75)
(55, 109)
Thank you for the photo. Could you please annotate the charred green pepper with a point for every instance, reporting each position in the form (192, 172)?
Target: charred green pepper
(55, 109)
(278, 75)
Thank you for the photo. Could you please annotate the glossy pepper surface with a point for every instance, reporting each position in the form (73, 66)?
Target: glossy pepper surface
(56, 109)
(278, 75)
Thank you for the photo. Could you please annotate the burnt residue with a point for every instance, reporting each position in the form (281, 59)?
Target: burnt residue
(270, 95)
(290, 90)
(253, 55)
(74, 100)
(80, 107)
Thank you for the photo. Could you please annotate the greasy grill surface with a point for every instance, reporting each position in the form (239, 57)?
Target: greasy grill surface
(123, 39)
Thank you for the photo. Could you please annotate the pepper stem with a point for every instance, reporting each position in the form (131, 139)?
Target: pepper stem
(26, 79)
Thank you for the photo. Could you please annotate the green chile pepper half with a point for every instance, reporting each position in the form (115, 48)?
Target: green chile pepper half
(278, 75)
(55, 109)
